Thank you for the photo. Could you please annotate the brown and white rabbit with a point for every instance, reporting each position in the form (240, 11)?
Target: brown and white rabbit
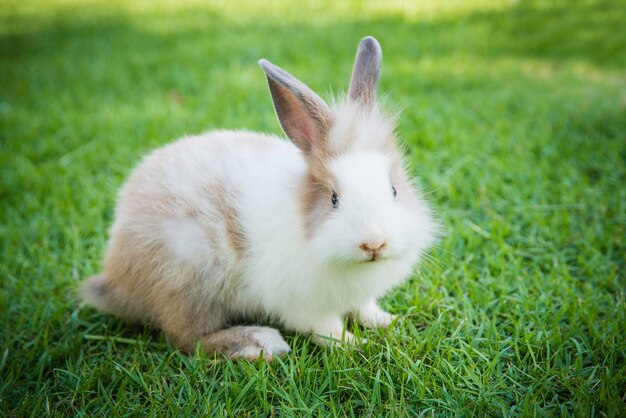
(229, 225)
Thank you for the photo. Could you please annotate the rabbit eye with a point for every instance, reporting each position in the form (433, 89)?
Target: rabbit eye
(335, 200)
(394, 191)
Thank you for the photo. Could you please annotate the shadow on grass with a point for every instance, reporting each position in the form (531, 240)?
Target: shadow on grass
(589, 32)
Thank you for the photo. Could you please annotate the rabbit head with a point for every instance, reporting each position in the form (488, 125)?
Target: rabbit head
(358, 204)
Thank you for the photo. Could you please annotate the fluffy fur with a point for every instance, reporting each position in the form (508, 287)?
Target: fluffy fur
(229, 225)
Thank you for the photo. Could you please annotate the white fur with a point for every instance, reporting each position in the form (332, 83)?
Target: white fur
(307, 285)
(372, 316)
(307, 280)
(185, 238)
(363, 129)
(293, 279)
(310, 285)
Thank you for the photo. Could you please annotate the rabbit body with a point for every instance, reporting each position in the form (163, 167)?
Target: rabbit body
(234, 225)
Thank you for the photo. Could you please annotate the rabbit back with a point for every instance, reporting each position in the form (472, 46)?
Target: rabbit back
(177, 246)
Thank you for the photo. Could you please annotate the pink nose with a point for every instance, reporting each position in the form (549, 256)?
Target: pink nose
(373, 249)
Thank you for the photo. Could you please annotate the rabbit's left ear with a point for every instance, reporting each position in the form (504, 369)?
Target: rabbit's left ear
(365, 73)
(303, 115)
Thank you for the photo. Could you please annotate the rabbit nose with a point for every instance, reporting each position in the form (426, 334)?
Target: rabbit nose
(372, 246)
(373, 249)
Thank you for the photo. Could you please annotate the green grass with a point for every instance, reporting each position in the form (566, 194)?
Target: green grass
(515, 121)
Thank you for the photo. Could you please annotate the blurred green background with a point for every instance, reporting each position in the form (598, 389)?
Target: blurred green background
(514, 118)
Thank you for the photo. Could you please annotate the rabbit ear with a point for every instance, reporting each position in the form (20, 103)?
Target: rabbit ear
(365, 72)
(303, 115)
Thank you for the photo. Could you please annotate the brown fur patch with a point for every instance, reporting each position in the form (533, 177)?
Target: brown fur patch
(230, 340)
(317, 188)
(316, 201)
(225, 203)
(229, 215)
(234, 340)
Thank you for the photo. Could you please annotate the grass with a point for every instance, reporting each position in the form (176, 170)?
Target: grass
(515, 121)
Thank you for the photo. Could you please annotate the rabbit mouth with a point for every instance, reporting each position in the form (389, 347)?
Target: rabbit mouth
(375, 256)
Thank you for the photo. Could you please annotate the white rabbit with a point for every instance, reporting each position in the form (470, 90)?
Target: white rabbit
(229, 226)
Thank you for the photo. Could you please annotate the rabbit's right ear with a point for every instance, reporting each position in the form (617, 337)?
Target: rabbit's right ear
(366, 71)
(303, 115)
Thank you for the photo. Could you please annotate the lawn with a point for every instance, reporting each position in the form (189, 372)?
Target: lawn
(514, 120)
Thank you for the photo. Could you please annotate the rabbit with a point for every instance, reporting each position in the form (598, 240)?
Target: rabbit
(233, 226)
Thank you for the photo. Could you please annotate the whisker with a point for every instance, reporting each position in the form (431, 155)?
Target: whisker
(446, 251)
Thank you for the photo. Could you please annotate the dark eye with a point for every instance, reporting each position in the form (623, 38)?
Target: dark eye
(394, 191)
(335, 200)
